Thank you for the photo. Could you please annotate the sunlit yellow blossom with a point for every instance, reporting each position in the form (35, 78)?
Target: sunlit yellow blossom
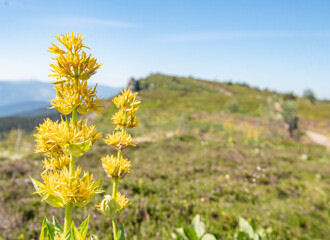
(116, 167)
(122, 200)
(127, 100)
(54, 138)
(72, 68)
(124, 119)
(120, 140)
(58, 190)
(72, 62)
(81, 97)
(56, 162)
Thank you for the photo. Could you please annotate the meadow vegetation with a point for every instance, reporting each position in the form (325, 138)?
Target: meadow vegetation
(203, 147)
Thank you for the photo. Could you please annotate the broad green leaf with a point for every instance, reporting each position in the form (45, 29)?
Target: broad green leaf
(55, 201)
(83, 228)
(208, 236)
(198, 226)
(244, 226)
(78, 149)
(190, 233)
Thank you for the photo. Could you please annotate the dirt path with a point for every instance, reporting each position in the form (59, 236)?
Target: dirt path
(318, 138)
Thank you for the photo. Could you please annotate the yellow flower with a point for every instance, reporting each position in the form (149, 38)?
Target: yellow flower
(124, 119)
(57, 190)
(72, 62)
(112, 207)
(72, 68)
(81, 97)
(56, 138)
(122, 200)
(116, 167)
(56, 162)
(127, 101)
(120, 140)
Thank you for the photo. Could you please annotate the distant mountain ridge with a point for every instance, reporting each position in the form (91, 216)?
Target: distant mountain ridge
(31, 97)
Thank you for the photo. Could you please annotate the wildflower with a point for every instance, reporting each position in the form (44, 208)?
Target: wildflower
(56, 162)
(72, 68)
(111, 207)
(116, 167)
(56, 138)
(63, 141)
(124, 119)
(127, 101)
(122, 201)
(72, 62)
(80, 97)
(59, 188)
(120, 140)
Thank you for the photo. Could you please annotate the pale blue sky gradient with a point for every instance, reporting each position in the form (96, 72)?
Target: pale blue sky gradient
(282, 45)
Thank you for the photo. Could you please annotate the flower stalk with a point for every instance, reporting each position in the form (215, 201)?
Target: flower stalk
(117, 166)
(64, 141)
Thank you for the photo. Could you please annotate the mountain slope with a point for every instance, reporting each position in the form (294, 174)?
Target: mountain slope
(203, 148)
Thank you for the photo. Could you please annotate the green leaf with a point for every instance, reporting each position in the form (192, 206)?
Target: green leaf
(244, 226)
(83, 228)
(198, 226)
(121, 233)
(47, 230)
(55, 201)
(74, 233)
(208, 236)
(36, 184)
(58, 227)
(242, 236)
(190, 233)
(52, 200)
(181, 233)
(78, 149)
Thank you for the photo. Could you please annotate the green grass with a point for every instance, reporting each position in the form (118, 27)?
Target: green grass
(184, 164)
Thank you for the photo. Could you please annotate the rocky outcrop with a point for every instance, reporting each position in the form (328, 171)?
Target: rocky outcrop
(133, 85)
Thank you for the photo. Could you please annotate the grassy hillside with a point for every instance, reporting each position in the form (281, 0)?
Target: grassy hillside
(203, 147)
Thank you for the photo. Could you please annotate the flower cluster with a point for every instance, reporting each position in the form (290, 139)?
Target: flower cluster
(55, 138)
(119, 140)
(59, 188)
(72, 68)
(62, 141)
(117, 166)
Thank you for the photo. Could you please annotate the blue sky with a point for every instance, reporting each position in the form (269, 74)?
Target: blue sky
(282, 45)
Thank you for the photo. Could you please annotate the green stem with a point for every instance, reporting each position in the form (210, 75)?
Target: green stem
(114, 188)
(114, 195)
(68, 218)
(69, 206)
(74, 117)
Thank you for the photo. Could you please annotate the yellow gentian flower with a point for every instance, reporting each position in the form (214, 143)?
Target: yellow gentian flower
(116, 167)
(119, 140)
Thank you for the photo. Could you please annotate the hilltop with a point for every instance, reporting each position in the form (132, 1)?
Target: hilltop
(203, 147)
